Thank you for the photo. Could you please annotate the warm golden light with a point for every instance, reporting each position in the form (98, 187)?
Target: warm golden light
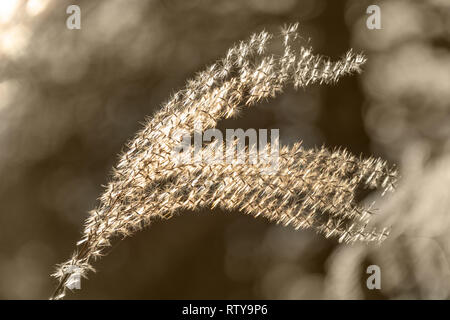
(14, 40)
(35, 7)
(7, 10)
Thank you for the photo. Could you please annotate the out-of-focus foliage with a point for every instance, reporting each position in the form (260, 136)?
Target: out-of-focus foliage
(69, 100)
(407, 87)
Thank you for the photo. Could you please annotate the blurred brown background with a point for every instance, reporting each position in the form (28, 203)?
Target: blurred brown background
(70, 99)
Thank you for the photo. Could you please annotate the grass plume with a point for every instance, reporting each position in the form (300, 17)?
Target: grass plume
(314, 188)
